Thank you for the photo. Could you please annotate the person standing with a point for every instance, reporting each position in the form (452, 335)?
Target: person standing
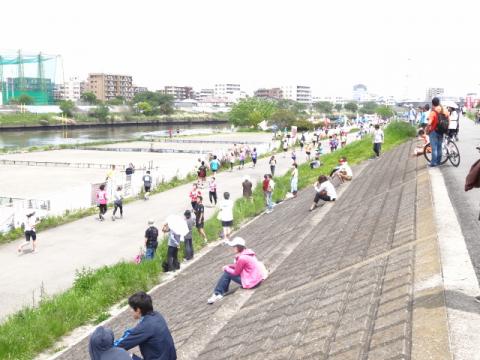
(231, 159)
(453, 124)
(118, 202)
(247, 188)
(188, 249)
(294, 180)
(273, 163)
(200, 219)
(151, 334)
(269, 193)
(102, 202)
(151, 240)
(412, 115)
(212, 191)
(378, 139)
(147, 184)
(285, 145)
(242, 159)
(226, 215)
(254, 156)
(435, 136)
(172, 263)
(30, 232)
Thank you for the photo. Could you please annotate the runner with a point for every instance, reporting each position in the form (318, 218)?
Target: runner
(242, 159)
(102, 202)
(202, 174)
(212, 191)
(118, 202)
(254, 156)
(194, 194)
(200, 218)
(147, 184)
(231, 158)
(30, 232)
(214, 165)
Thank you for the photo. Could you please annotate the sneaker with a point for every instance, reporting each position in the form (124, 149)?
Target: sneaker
(113, 217)
(477, 299)
(214, 298)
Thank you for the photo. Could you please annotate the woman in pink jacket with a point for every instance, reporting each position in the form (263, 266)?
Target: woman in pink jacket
(246, 271)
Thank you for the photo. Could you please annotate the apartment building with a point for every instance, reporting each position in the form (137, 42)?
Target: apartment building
(139, 89)
(110, 86)
(69, 90)
(179, 92)
(432, 92)
(300, 93)
(273, 93)
(224, 90)
(204, 94)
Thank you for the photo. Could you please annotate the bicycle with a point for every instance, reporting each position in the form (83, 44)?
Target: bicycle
(449, 152)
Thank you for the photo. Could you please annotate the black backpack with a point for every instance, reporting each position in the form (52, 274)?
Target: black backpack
(442, 123)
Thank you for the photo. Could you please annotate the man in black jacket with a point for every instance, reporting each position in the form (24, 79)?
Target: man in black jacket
(151, 333)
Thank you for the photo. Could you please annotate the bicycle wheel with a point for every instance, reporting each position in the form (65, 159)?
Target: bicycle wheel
(445, 154)
(453, 153)
(427, 152)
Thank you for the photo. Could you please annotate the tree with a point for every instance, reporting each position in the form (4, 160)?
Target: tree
(282, 118)
(145, 108)
(89, 97)
(101, 112)
(351, 106)
(251, 111)
(385, 112)
(324, 107)
(338, 107)
(67, 107)
(25, 99)
(118, 100)
(369, 107)
(160, 103)
(294, 106)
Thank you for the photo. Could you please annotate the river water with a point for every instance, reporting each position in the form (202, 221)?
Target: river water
(13, 139)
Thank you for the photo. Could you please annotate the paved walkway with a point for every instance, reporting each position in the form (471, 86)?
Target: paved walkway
(92, 244)
(357, 279)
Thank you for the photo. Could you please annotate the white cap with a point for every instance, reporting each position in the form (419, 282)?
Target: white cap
(151, 222)
(237, 241)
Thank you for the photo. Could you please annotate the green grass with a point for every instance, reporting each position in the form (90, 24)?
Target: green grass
(30, 331)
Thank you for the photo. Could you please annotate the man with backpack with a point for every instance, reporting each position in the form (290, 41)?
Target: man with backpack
(151, 240)
(438, 122)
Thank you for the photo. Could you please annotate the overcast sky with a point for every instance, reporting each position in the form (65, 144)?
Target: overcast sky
(394, 47)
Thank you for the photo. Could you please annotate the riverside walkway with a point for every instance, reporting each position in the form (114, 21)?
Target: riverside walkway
(354, 279)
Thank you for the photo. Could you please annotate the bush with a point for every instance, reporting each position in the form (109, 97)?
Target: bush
(304, 125)
(43, 122)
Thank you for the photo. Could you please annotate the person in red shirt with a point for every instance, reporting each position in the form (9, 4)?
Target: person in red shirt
(194, 194)
(436, 138)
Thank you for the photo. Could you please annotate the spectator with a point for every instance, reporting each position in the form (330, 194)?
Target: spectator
(151, 240)
(151, 333)
(294, 156)
(147, 184)
(226, 215)
(100, 346)
(269, 193)
(308, 151)
(246, 271)
(172, 263)
(200, 218)
(324, 191)
(344, 171)
(422, 141)
(188, 249)
(247, 188)
(436, 138)
(378, 139)
(212, 191)
(294, 180)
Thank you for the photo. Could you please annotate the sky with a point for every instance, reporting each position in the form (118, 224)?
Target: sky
(394, 47)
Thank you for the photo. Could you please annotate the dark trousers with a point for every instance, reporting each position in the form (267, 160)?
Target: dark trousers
(102, 209)
(117, 206)
(172, 259)
(212, 195)
(376, 148)
(224, 283)
(272, 170)
(188, 249)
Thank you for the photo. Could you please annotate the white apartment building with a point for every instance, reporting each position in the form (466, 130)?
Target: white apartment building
(69, 90)
(300, 93)
(204, 94)
(432, 92)
(223, 90)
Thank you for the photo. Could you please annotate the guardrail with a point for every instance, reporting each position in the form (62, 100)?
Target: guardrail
(59, 164)
(150, 150)
(168, 140)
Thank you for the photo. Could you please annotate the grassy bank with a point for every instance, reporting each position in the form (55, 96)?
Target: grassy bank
(30, 331)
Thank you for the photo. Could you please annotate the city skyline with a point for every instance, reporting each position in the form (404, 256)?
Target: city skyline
(394, 50)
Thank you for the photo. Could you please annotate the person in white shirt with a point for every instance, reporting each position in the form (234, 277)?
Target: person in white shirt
(378, 138)
(453, 124)
(30, 232)
(118, 202)
(344, 171)
(226, 215)
(294, 180)
(324, 191)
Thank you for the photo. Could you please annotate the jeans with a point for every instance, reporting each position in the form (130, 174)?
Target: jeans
(376, 148)
(149, 253)
(172, 259)
(268, 198)
(436, 144)
(294, 185)
(224, 283)
(188, 249)
(117, 206)
(272, 170)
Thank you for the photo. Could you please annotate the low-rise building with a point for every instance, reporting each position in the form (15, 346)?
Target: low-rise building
(178, 92)
(273, 93)
(69, 90)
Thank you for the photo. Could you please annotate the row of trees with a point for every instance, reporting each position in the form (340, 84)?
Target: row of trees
(282, 113)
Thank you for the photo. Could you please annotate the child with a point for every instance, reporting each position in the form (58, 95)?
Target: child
(377, 140)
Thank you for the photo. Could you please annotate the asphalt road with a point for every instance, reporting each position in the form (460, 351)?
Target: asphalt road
(466, 204)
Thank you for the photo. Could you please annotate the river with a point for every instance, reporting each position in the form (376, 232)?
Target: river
(14, 139)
